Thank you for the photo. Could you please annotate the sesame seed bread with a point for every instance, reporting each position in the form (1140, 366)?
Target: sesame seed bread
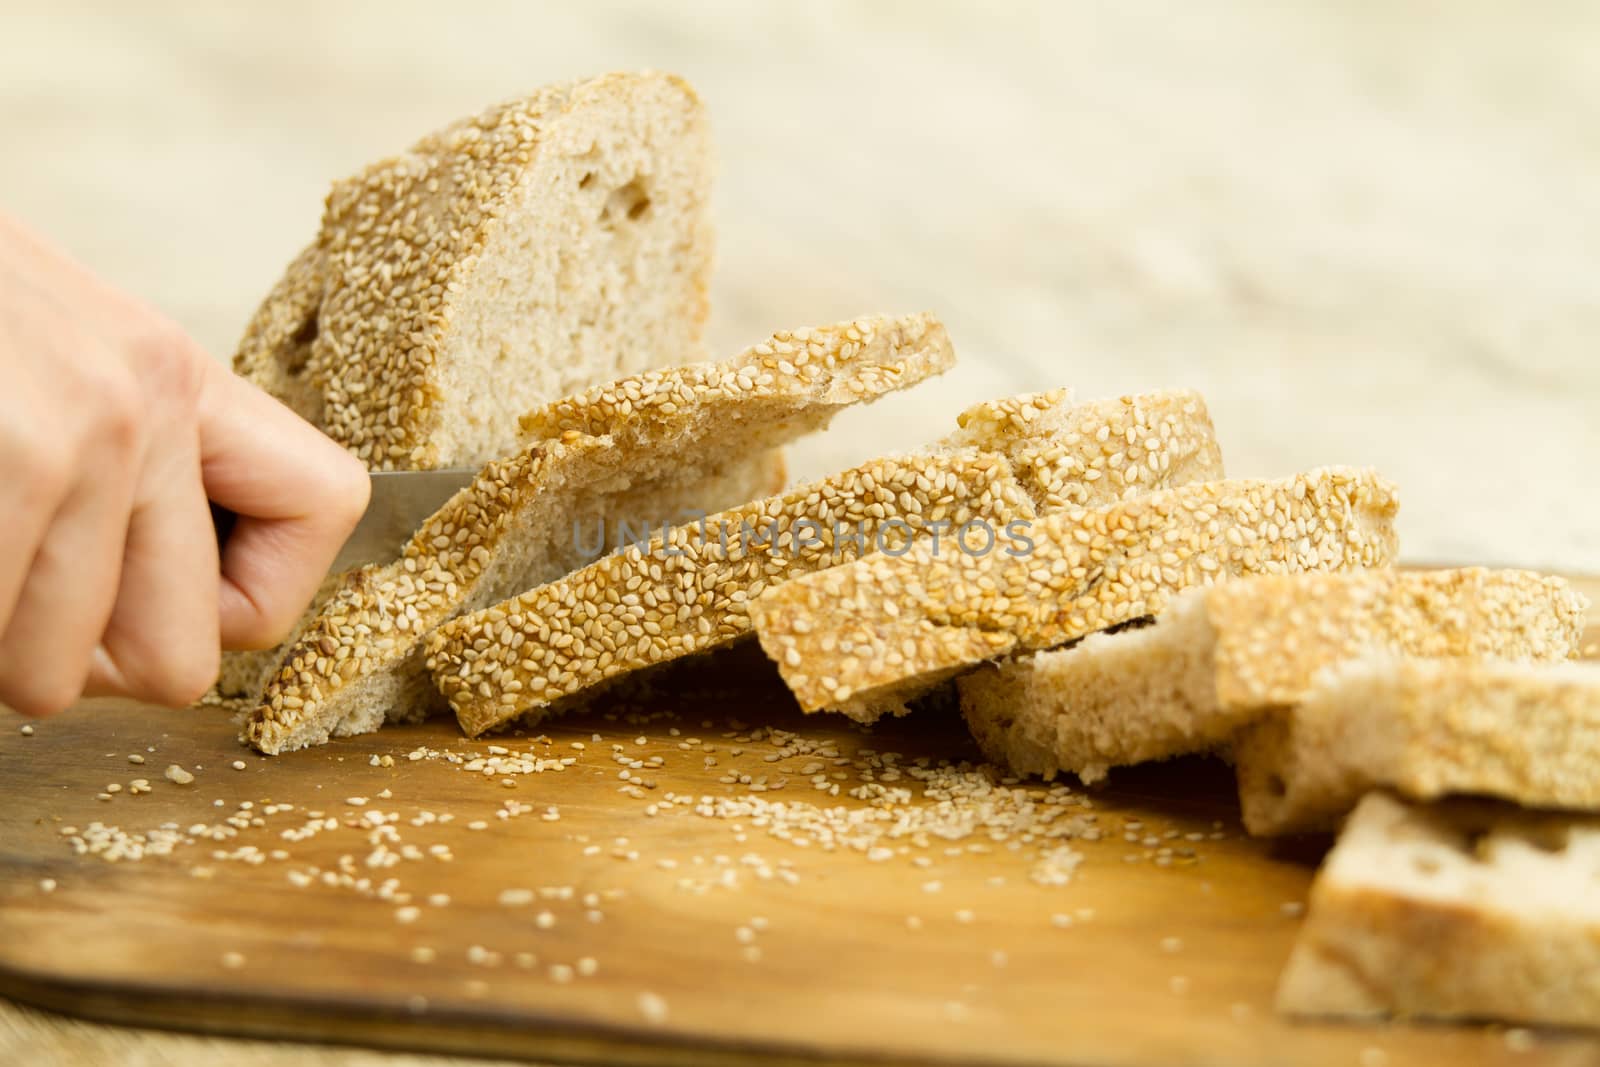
(1423, 728)
(1217, 658)
(684, 592)
(525, 253)
(865, 637)
(1451, 911)
(647, 447)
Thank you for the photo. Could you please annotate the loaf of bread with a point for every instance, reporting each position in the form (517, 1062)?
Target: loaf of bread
(1220, 657)
(685, 591)
(653, 445)
(1452, 911)
(1423, 728)
(545, 245)
(866, 637)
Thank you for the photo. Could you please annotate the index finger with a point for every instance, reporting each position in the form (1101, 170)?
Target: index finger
(297, 494)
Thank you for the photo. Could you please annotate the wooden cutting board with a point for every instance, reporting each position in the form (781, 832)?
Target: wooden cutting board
(593, 916)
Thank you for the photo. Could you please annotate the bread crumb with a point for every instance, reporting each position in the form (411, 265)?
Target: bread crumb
(1520, 1039)
(178, 775)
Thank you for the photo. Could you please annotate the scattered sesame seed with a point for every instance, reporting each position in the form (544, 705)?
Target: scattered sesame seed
(238, 764)
(653, 1007)
(26, 729)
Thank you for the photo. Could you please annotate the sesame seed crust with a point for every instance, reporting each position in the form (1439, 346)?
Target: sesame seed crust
(1423, 728)
(665, 440)
(366, 331)
(1219, 658)
(685, 591)
(864, 637)
(1084, 455)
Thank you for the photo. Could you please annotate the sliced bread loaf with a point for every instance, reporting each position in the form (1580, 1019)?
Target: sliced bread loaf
(641, 448)
(1423, 728)
(865, 637)
(1217, 658)
(547, 244)
(685, 591)
(1453, 910)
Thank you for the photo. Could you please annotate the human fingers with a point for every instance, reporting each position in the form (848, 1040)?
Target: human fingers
(297, 494)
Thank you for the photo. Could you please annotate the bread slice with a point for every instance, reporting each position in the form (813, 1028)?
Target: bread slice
(684, 592)
(545, 245)
(642, 447)
(1423, 728)
(866, 637)
(1450, 911)
(1217, 658)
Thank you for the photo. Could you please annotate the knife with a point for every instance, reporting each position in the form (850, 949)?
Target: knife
(400, 501)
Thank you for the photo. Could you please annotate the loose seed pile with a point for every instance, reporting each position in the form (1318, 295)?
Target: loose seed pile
(797, 792)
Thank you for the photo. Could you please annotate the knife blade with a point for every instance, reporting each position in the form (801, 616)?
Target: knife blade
(399, 502)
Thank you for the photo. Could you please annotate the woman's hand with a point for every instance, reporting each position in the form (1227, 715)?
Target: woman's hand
(115, 428)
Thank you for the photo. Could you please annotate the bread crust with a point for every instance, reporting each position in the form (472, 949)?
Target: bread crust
(684, 592)
(916, 619)
(1220, 658)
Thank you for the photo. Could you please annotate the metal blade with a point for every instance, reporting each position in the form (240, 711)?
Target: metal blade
(400, 501)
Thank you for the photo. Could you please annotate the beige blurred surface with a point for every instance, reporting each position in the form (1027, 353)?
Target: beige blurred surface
(1367, 231)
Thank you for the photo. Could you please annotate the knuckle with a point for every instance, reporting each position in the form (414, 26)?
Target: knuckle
(167, 363)
(119, 408)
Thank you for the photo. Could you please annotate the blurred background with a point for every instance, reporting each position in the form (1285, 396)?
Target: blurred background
(1368, 231)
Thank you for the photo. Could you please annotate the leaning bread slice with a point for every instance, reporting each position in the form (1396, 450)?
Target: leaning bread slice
(1217, 658)
(645, 447)
(684, 592)
(525, 253)
(1424, 728)
(1451, 911)
(866, 637)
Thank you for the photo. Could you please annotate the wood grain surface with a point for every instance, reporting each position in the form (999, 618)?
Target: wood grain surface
(788, 925)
